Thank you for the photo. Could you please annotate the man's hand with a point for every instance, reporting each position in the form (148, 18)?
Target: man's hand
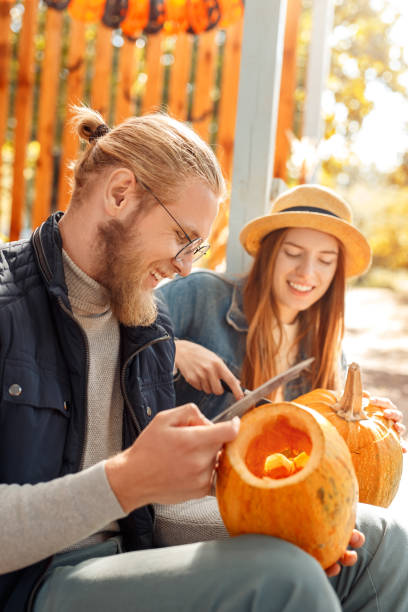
(204, 370)
(349, 557)
(172, 460)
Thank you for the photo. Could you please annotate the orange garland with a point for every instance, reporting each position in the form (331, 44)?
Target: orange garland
(149, 17)
(136, 18)
(231, 12)
(88, 10)
(203, 14)
(176, 17)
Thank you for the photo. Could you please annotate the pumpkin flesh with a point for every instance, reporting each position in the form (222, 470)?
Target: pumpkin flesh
(314, 506)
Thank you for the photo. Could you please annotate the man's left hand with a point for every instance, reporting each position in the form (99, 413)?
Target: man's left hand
(349, 557)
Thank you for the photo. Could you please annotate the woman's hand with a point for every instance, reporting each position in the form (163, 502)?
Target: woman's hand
(349, 557)
(392, 413)
(204, 370)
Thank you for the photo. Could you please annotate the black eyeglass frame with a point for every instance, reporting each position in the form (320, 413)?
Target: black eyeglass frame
(196, 247)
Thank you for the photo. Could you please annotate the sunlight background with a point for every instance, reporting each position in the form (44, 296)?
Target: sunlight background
(383, 137)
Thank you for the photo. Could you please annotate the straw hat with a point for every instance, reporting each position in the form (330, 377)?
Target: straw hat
(313, 207)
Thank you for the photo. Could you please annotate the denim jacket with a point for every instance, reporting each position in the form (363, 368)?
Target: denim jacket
(207, 308)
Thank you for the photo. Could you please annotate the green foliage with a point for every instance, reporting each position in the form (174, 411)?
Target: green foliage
(381, 213)
(362, 53)
(389, 233)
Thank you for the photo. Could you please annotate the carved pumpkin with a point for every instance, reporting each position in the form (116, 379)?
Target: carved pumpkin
(289, 474)
(374, 445)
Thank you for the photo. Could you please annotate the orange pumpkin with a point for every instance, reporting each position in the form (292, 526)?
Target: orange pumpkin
(289, 474)
(374, 445)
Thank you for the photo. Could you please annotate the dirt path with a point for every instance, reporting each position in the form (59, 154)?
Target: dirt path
(377, 338)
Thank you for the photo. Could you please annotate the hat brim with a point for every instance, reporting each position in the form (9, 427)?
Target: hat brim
(356, 248)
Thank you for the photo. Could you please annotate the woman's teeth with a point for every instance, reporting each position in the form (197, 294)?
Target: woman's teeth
(158, 276)
(303, 288)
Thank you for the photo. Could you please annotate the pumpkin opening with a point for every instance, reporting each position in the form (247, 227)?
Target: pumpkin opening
(279, 451)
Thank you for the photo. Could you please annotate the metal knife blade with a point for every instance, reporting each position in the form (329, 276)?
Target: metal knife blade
(241, 406)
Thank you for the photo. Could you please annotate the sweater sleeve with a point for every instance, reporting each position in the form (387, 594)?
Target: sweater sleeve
(42, 519)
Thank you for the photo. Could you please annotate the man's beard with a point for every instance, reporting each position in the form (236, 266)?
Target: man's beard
(122, 274)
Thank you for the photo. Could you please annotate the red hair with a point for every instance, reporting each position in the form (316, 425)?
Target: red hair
(321, 326)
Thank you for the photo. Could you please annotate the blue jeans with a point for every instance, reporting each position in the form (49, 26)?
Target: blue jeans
(246, 573)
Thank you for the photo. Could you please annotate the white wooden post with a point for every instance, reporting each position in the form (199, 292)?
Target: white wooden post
(257, 113)
(318, 65)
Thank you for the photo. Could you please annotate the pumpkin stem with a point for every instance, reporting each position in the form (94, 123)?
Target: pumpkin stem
(350, 406)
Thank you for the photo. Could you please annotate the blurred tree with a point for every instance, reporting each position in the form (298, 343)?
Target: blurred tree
(367, 55)
(400, 175)
(363, 52)
(389, 233)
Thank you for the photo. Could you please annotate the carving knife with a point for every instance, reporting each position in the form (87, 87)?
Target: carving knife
(251, 397)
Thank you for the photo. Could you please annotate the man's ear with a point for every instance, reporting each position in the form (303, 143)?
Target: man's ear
(119, 191)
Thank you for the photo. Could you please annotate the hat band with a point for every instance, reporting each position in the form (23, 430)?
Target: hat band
(309, 209)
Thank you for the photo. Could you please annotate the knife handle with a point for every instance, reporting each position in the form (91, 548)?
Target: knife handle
(227, 388)
(263, 400)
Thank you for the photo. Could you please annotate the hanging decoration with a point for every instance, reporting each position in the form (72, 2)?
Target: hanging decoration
(86, 10)
(59, 5)
(136, 17)
(114, 13)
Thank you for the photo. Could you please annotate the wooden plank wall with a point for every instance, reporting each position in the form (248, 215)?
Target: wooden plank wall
(5, 53)
(5, 57)
(75, 64)
(194, 78)
(23, 114)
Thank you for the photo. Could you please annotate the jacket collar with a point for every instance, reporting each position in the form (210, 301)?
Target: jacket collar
(235, 314)
(47, 244)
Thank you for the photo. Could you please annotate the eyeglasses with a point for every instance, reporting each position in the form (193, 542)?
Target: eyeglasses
(194, 248)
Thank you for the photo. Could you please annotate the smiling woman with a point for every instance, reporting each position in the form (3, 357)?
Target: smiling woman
(289, 306)
(305, 266)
